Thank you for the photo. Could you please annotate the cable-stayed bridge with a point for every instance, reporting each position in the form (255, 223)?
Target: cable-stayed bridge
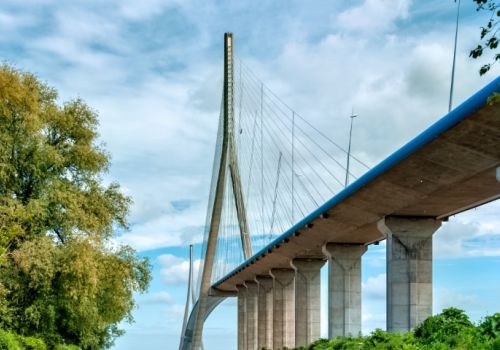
(284, 200)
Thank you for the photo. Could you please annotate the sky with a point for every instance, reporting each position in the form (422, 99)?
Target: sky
(152, 69)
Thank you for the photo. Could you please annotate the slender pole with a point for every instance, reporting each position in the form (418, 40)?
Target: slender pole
(454, 58)
(349, 150)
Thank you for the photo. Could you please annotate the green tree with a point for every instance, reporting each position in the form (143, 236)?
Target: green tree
(59, 277)
(50, 166)
(489, 39)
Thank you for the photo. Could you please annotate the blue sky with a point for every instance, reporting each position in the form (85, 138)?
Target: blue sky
(153, 71)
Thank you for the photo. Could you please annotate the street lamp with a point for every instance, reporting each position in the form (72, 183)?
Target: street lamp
(349, 150)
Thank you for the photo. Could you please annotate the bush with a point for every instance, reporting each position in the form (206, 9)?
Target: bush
(451, 329)
(32, 343)
(67, 347)
(8, 341)
(490, 327)
(13, 341)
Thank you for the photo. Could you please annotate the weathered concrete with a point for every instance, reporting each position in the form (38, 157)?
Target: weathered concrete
(242, 319)
(265, 312)
(307, 300)
(251, 314)
(283, 308)
(409, 270)
(344, 288)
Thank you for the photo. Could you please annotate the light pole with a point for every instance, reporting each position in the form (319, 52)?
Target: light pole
(349, 150)
(454, 58)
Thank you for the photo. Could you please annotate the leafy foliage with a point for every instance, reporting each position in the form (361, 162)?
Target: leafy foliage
(60, 280)
(13, 341)
(489, 39)
(490, 327)
(50, 166)
(450, 329)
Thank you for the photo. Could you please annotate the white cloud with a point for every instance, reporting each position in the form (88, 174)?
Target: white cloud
(170, 228)
(373, 15)
(141, 10)
(371, 321)
(175, 270)
(156, 298)
(375, 287)
(444, 298)
(463, 237)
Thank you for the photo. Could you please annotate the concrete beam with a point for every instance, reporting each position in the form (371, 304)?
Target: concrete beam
(344, 288)
(251, 314)
(283, 308)
(307, 300)
(409, 270)
(265, 312)
(242, 319)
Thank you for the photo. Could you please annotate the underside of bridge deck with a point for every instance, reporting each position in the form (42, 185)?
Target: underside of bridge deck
(449, 168)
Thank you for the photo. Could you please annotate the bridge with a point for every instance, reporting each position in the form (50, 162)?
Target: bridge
(286, 198)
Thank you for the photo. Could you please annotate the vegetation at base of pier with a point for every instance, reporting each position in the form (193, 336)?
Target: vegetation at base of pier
(451, 329)
(62, 279)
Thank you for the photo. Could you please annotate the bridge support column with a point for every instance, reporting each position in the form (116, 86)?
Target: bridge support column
(283, 308)
(344, 288)
(307, 300)
(265, 312)
(251, 314)
(409, 270)
(242, 319)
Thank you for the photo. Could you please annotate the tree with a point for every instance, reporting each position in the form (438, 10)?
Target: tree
(75, 292)
(59, 277)
(489, 39)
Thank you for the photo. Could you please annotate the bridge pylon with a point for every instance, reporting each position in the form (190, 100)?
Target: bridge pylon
(228, 165)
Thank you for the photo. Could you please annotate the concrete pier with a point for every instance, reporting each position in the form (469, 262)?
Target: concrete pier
(307, 300)
(265, 312)
(283, 308)
(409, 270)
(251, 314)
(242, 319)
(344, 288)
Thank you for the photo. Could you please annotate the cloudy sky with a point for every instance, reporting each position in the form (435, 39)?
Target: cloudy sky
(153, 71)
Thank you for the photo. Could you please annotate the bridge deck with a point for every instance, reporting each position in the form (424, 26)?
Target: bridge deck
(449, 168)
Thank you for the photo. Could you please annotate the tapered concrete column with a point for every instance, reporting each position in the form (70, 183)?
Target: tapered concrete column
(283, 308)
(265, 312)
(307, 300)
(344, 288)
(252, 316)
(242, 318)
(409, 270)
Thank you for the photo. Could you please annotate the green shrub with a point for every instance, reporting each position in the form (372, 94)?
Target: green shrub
(32, 343)
(490, 326)
(495, 344)
(8, 341)
(451, 327)
(66, 347)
